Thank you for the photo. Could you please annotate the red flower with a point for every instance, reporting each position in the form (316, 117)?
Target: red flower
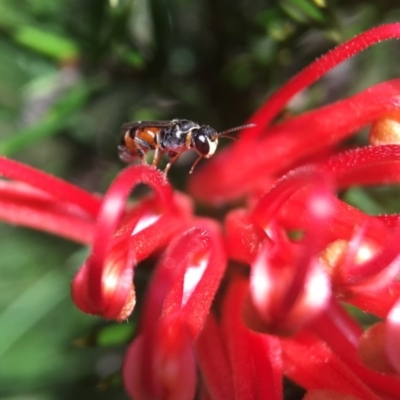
(263, 294)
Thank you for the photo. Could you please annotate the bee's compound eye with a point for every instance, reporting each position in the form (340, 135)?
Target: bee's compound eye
(202, 144)
(205, 145)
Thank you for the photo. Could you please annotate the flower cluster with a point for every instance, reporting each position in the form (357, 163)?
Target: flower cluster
(263, 293)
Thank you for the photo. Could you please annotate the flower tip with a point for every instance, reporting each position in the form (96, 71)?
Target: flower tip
(386, 130)
(371, 349)
(392, 334)
(128, 306)
(254, 321)
(163, 369)
(107, 292)
(243, 237)
(284, 299)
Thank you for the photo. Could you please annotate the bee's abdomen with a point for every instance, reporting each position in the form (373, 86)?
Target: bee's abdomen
(146, 137)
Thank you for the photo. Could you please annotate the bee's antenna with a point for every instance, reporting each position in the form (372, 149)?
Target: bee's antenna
(237, 128)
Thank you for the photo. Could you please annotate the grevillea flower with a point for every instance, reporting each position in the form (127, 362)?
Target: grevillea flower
(235, 305)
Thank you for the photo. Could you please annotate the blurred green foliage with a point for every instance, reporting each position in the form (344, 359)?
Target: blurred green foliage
(72, 71)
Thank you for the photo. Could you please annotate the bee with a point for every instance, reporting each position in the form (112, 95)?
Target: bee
(172, 137)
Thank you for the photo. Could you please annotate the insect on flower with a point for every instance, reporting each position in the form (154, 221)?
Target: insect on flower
(172, 137)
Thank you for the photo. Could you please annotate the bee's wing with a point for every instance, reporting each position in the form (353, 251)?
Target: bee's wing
(142, 124)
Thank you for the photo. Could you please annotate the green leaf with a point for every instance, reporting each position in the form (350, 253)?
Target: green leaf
(302, 10)
(361, 199)
(42, 296)
(47, 43)
(56, 118)
(115, 334)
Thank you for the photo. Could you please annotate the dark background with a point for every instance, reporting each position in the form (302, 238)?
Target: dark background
(72, 71)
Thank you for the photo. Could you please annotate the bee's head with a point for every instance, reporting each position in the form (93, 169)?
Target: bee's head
(205, 140)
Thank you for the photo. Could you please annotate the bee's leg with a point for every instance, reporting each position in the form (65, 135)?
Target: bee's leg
(140, 152)
(142, 156)
(195, 163)
(173, 158)
(156, 158)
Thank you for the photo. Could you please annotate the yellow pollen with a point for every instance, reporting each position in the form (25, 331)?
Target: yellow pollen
(333, 255)
(385, 130)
